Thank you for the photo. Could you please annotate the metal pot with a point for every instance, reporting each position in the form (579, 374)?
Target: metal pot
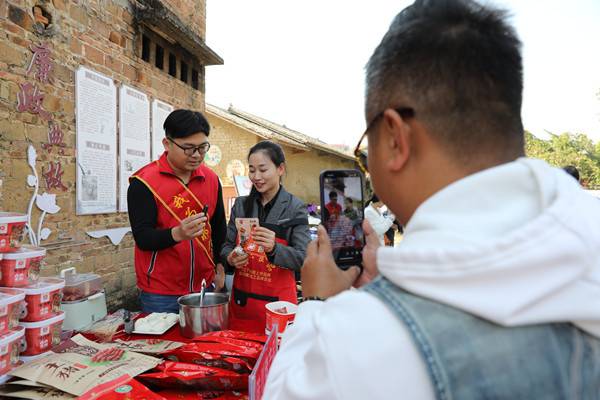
(194, 319)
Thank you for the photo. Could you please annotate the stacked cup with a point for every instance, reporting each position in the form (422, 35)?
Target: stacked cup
(25, 296)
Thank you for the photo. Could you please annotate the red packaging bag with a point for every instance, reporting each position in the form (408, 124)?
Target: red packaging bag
(235, 364)
(12, 231)
(226, 340)
(41, 336)
(10, 346)
(191, 376)
(254, 337)
(202, 395)
(21, 267)
(43, 299)
(249, 354)
(12, 308)
(129, 390)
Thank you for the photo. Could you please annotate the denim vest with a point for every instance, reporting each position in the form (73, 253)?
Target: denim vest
(470, 358)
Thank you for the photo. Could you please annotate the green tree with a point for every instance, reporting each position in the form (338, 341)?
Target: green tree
(568, 149)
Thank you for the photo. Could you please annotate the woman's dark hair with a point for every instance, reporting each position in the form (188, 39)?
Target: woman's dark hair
(276, 155)
(184, 123)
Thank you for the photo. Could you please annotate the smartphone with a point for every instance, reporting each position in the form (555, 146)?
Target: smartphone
(205, 210)
(342, 214)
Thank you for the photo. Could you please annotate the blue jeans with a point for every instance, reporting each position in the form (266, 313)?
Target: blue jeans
(159, 303)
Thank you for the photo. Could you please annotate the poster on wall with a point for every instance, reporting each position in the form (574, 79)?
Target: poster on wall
(243, 185)
(96, 125)
(134, 137)
(214, 156)
(160, 112)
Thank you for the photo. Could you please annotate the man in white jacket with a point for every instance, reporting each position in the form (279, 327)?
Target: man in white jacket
(494, 291)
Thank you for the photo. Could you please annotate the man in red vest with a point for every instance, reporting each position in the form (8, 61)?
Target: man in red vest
(177, 217)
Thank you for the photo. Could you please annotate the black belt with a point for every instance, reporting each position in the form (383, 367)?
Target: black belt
(241, 298)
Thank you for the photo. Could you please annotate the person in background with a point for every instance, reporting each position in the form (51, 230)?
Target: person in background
(265, 276)
(176, 244)
(494, 291)
(573, 171)
(349, 210)
(333, 207)
(379, 222)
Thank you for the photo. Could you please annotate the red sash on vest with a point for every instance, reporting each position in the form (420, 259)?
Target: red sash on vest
(179, 269)
(258, 283)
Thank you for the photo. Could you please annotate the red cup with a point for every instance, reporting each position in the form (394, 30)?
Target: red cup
(12, 308)
(21, 267)
(281, 313)
(12, 231)
(10, 346)
(43, 299)
(41, 336)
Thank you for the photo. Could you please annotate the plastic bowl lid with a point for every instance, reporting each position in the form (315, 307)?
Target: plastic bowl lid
(44, 285)
(46, 322)
(10, 295)
(25, 252)
(11, 217)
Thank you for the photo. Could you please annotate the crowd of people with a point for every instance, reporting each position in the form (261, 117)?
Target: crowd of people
(492, 293)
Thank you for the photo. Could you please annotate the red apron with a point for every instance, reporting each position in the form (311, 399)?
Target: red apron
(255, 285)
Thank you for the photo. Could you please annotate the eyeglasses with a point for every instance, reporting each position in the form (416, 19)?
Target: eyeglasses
(189, 151)
(360, 152)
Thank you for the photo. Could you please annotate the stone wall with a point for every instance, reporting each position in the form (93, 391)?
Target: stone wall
(103, 36)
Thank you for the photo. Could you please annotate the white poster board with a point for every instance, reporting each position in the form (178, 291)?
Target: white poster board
(160, 112)
(96, 124)
(134, 137)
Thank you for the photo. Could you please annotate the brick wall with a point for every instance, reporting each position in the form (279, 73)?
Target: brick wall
(100, 35)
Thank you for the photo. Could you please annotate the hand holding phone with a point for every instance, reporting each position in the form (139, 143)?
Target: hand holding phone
(342, 203)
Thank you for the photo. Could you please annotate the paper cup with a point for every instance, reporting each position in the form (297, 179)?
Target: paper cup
(276, 315)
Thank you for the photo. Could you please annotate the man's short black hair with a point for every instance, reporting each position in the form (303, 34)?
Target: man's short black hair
(458, 65)
(184, 123)
(573, 171)
(333, 194)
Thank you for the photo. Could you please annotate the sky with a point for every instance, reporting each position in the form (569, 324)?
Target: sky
(301, 64)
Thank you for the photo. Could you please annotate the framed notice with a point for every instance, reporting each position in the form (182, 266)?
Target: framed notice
(243, 185)
(134, 137)
(160, 112)
(96, 125)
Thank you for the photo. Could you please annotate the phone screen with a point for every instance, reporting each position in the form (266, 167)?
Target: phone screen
(342, 214)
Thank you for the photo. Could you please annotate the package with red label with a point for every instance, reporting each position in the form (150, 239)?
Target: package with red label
(10, 346)
(210, 360)
(231, 341)
(130, 390)
(12, 231)
(254, 337)
(43, 299)
(202, 395)
(12, 308)
(172, 375)
(196, 350)
(43, 335)
(21, 267)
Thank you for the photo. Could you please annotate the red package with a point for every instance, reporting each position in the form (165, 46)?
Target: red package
(250, 354)
(254, 337)
(130, 390)
(191, 376)
(202, 395)
(226, 340)
(210, 360)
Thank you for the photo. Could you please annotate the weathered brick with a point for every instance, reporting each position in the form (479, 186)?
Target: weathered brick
(93, 54)
(75, 46)
(59, 4)
(20, 17)
(129, 72)
(114, 64)
(11, 55)
(79, 14)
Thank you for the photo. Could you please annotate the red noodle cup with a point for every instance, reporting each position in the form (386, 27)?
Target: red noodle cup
(21, 267)
(275, 316)
(43, 299)
(43, 335)
(12, 308)
(10, 346)
(12, 231)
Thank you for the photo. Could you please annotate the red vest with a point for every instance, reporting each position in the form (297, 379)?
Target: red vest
(179, 269)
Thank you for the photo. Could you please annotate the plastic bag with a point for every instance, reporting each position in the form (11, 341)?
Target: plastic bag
(172, 375)
(104, 330)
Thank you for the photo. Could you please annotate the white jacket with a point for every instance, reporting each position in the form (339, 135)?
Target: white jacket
(515, 244)
(379, 223)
